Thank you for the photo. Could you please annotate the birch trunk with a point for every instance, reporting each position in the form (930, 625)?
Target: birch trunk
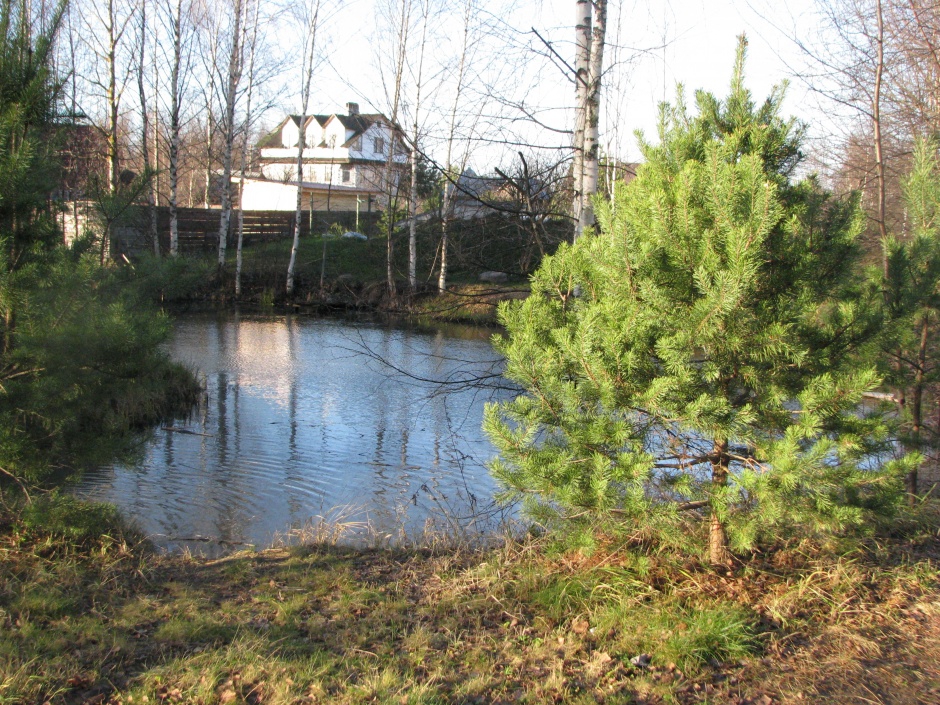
(245, 151)
(415, 139)
(145, 130)
(413, 224)
(450, 189)
(113, 99)
(591, 146)
(210, 112)
(307, 63)
(234, 78)
(390, 181)
(583, 38)
(174, 147)
(210, 140)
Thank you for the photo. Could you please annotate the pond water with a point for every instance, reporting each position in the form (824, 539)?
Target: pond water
(307, 418)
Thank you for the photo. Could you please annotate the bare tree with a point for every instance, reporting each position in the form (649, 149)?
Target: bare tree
(175, 16)
(457, 145)
(246, 142)
(230, 96)
(416, 140)
(141, 71)
(104, 35)
(397, 27)
(310, 18)
(208, 17)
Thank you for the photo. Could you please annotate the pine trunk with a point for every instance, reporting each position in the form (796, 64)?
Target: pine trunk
(718, 551)
(917, 406)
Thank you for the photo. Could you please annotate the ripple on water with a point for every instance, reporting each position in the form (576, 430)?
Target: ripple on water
(299, 419)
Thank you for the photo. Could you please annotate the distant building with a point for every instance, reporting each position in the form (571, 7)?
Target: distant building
(344, 163)
(82, 153)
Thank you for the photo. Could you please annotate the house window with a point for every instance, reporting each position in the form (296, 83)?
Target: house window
(379, 147)
(347, 174)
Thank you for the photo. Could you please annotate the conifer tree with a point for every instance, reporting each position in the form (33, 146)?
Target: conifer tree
(81, 368)
(694, 359)
(911, 285)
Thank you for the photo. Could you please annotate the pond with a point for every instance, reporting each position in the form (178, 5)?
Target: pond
(307, 419)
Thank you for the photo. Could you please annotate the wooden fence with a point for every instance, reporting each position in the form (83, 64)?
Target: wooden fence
(199, 228)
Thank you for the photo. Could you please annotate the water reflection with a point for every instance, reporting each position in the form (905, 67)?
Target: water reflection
(302, 416)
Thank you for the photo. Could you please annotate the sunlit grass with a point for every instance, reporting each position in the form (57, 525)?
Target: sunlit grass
(512, 622)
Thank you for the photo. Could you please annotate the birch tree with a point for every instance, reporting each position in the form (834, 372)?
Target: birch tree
(416, 140)
(396, 17)
(457, 146)
(209, 21)
(178, 28)
(141, 70)
(310, 17)
(246, 147)
(106, 26)
(230, 96)
(590, 34)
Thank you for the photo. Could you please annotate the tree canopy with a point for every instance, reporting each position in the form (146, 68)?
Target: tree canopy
(697, 355)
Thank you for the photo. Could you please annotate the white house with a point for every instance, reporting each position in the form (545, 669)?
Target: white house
(344, 163)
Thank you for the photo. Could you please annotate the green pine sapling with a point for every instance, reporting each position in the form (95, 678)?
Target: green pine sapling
(695, 358)
(912, 300)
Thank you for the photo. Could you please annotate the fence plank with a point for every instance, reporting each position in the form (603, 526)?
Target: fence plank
(199, 227)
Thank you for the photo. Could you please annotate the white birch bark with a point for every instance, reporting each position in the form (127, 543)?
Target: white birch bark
(452, 174)
(235, 66)
(245, 150)
(591, 153)
(145, 129)
(176, 30)
(415, 141)
(390, 180)
(582, 65)
(307, 63)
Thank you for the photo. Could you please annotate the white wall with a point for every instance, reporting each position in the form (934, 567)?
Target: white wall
(290, 134)
(265, 196)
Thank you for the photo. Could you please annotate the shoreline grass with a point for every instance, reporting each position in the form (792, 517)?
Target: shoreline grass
(95, 616)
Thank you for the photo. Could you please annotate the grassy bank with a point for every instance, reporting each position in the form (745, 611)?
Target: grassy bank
(354, 277)
(89, 615)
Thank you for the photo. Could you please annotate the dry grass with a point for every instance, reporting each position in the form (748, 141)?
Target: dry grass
(106, 621)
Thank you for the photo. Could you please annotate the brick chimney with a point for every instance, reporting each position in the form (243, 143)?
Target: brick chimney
(352, 108)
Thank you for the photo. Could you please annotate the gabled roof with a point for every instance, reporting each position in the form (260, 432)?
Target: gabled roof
(296, 118)
(357, 124)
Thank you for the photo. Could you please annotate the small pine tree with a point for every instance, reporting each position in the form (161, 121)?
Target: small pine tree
(911, 286)
(695, 356)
